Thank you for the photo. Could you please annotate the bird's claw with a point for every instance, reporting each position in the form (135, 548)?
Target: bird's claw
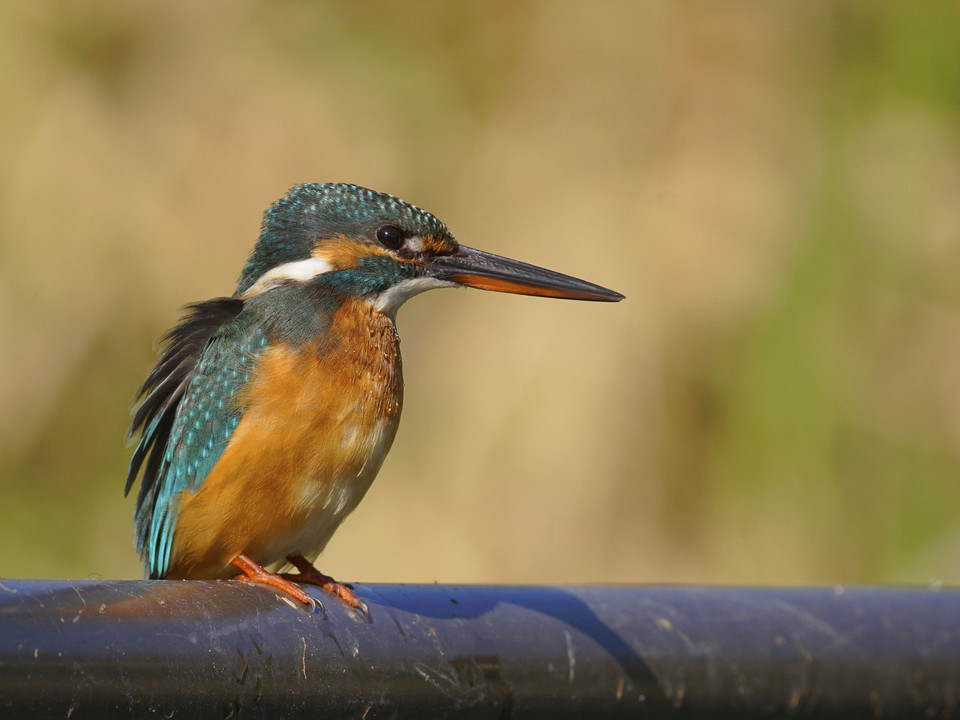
(310, 575)
(364, 608)
(315, 603)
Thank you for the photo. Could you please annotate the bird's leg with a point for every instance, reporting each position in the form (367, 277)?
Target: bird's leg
(251, 572)
(309, 574)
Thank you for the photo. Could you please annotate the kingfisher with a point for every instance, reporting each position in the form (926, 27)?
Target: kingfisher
(269, 412)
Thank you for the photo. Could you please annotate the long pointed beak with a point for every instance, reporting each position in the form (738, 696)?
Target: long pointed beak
(486, 271)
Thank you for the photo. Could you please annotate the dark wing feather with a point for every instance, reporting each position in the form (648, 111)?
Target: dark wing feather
(164, 386)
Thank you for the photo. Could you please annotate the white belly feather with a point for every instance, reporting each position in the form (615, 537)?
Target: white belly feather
(320, 504)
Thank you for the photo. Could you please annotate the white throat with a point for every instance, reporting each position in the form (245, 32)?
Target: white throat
(390, 300)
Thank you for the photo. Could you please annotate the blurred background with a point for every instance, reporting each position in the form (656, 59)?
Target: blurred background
(774, 187)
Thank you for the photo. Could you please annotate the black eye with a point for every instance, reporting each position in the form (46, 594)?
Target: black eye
(390, 236)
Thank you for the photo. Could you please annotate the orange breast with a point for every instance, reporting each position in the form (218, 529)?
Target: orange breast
(320, 419)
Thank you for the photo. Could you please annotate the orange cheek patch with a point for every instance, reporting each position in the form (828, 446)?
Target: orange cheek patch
(343, 253)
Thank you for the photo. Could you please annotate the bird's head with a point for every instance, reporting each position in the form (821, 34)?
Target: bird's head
(377, 246)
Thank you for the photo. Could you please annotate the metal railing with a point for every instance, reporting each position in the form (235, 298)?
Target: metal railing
(102, 649)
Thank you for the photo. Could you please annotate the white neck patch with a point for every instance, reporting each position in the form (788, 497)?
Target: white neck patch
(299, 270)
(390, 300)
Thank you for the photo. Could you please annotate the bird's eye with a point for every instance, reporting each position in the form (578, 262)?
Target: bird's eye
(390, 236)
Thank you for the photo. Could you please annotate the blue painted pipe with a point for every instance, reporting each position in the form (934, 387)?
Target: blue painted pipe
(186, 649)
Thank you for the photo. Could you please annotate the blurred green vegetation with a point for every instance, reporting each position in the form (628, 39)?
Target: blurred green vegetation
(776, 189)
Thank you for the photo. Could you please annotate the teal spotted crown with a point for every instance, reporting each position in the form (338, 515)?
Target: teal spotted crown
(312, 211)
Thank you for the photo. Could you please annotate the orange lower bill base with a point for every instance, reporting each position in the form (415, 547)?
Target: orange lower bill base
(481, 282)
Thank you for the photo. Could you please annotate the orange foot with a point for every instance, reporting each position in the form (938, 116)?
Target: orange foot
(251, 572)
(309, 574)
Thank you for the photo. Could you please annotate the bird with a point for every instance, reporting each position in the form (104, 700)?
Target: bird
(269, 412)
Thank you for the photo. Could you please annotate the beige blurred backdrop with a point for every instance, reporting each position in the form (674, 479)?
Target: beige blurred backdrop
(775, 187)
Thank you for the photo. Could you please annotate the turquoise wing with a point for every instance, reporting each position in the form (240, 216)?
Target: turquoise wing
(187, 413)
